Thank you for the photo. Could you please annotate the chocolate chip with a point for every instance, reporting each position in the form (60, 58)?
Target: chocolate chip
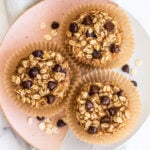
(96, 54)
(125, 68)
(33, 72)
(37, 53)
(50, 98)
(52, 85)
(40, 118)
(55, 25)
(73, 28)
(92, 130)
(134, 83)
(61, 123)
(105, 100)
(105, 119)
(114, 48)
(120, 93)
(109, 26)
(87, 20)
(88, 105)
(92, 34)
(63, 71)
(113, 110)
(26, 84)
(57, 68)
(93, 89)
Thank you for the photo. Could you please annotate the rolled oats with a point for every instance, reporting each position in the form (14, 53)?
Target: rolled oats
(104, 125)
(47, 127)
(42, 25)
(102, 107)
(47, 37)
(41, 78)
(127, 114)
(98, 30)
(133, 72)
(42, 126)
(54, 33)
(87, 124)
(30, 120)
(138, 62)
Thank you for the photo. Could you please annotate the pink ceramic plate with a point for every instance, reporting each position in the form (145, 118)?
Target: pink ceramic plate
(26, 30)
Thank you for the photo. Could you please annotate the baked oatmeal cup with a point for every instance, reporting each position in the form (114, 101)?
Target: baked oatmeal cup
(98, 35)
(104, 107)
(38, 77)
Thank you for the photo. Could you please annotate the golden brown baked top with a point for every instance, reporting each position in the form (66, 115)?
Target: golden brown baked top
(42, 78)
(94, 37)
(102, 108)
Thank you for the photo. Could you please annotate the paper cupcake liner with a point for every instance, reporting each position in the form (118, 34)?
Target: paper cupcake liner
(134, 107)
(11, 66)
(120, 16)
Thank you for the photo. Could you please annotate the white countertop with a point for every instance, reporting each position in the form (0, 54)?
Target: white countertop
(9, 140)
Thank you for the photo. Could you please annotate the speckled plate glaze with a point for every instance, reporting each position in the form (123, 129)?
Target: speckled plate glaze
(26, 30)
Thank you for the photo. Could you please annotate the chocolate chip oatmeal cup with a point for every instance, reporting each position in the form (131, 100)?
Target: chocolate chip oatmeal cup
(98, 35)
(38, 78)
(104, 107)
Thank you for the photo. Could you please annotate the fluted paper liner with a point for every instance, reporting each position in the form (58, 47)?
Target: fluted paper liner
(120, 16)
(134, 107)
(11, 66)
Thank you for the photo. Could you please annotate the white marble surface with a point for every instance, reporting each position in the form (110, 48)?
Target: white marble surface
(8, 139)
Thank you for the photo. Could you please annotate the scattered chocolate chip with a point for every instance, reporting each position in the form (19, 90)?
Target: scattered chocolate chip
(134, 83)
(109, 26)
(55, 25)
(61, 123)
(126, 68)
(96, 54)
(92, 130)
(73, 28)
(37, 53)
(57, 68)
(105, 100)
(40, 118)
(113, 110)
(26, 84)
(50, 98)
(52, 85)
(114, 48)
(33, 72)
(92, 34)
(120, 93)
(88, 105)
(105, 119)
(87, 20)
(93, 89)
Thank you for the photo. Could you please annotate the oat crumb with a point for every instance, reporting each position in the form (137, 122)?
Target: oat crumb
(138, 62)
(54, 33)
(133, 72)
(47, 37)
(42, 126)
(30, 120)
(42, 25)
